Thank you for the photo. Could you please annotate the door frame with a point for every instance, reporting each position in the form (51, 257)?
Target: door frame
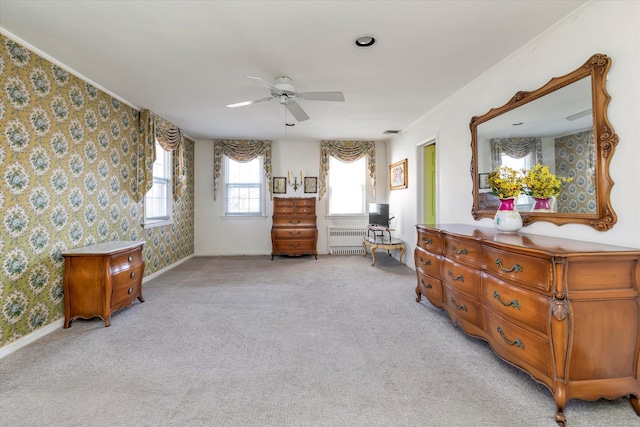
(420, 169)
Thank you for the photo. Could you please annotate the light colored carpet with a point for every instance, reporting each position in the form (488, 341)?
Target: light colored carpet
(246, 341)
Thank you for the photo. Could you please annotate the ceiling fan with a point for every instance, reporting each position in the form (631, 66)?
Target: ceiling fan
(284, 91)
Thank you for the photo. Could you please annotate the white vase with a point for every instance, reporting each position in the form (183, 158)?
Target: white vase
(507, 217)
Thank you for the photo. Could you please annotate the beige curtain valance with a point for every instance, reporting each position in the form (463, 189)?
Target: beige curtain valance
(169, 136)
(346, 151)
(241, 151)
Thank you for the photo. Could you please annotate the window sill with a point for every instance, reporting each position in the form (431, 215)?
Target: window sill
(243, 217)
(346, 216)
(153, 224)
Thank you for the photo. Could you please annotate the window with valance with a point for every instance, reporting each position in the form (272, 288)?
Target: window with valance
(240, 151)
(155, 128)
(346, 151)
(516, 148)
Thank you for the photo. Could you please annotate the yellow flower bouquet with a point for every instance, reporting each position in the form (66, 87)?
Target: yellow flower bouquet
(506, 182)
(540, 182)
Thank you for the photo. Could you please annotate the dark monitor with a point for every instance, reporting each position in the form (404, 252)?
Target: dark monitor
(379, 214)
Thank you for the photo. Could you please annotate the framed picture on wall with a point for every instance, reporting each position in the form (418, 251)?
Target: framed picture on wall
(310, 184)
(279, 185)
(398, 175)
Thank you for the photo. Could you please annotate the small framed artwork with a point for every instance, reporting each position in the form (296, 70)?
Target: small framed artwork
(398, 175)
(279, 185)
(483, 180)
(310, 184)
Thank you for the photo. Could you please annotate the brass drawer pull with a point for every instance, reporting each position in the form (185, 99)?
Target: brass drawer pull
(514, 303)
(458, 307)
(296, 222)
(427, 286)
(130, 258)
(133, 274)
(292, 245)
(428, 241)
(458, 277)
(294, 234)
(427, 262)
(130, 291)
(462, 252)
(515, 269)
(517, 342)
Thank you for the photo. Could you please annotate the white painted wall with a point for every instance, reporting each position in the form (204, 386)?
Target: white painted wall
(608, 27)
(216, 235)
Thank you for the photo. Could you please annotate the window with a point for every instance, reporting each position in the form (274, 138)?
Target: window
(347, 187)
(157, 201)
(522, 163)
(244, 187)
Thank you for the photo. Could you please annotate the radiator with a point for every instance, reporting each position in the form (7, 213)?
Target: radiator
(346, 240)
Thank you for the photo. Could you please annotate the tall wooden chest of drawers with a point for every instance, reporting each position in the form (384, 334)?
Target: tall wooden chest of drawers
(102, 278)
(567, 312)
(294, 231)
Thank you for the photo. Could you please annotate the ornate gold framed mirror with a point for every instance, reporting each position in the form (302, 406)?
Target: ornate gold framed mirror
(563, 125)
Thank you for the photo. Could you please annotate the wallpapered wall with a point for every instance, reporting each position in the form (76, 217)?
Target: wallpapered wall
(575, 156)
(68, 167)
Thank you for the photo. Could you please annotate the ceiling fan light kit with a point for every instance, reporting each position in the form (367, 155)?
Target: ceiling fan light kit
(285, 92)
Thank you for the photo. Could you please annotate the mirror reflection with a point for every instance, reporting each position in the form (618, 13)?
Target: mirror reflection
(562, 126)
(555, 130)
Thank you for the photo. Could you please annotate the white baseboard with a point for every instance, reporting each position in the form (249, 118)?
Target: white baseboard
(167, 268)
(57, 324)
(28, 339)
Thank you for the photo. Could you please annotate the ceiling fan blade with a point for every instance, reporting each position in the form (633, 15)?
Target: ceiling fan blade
(264, 83)
(322, 96)
(296, 110)
(245, 103)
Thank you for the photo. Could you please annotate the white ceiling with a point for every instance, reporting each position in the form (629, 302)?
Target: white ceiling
(186, 60)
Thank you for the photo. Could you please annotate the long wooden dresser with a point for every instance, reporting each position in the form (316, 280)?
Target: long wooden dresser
(102, 278)
(565, 311)
(294, 231)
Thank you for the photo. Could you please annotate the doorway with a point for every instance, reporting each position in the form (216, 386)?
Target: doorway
(429, 184)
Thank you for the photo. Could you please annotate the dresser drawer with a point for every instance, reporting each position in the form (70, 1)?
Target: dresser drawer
(463, 251)
(305, 202)
(125, 293)
(294, 222)
(293, 233)
(461, 278)
(304, 210)
(525, 270)
(126, 260)
(518, 345)
(279, 203)
(124, 277)
(521, 305)
(294, 245)
(430, 240)
(427, 262)
(459, 305)
(430, 287)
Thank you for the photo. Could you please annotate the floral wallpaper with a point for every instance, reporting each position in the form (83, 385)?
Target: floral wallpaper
(575, 158)
(68, 167)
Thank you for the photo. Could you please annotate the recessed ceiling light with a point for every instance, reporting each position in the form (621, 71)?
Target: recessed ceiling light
(365, 41)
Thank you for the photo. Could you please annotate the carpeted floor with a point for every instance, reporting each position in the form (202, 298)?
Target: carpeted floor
(246, 341)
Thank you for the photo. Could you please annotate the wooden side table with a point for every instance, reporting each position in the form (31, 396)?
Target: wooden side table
(388, 244)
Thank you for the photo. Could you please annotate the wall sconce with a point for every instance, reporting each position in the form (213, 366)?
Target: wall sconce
(294, 183)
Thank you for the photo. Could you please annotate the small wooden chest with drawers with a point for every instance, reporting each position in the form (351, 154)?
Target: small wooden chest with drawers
(102, 278)
(294, 231)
